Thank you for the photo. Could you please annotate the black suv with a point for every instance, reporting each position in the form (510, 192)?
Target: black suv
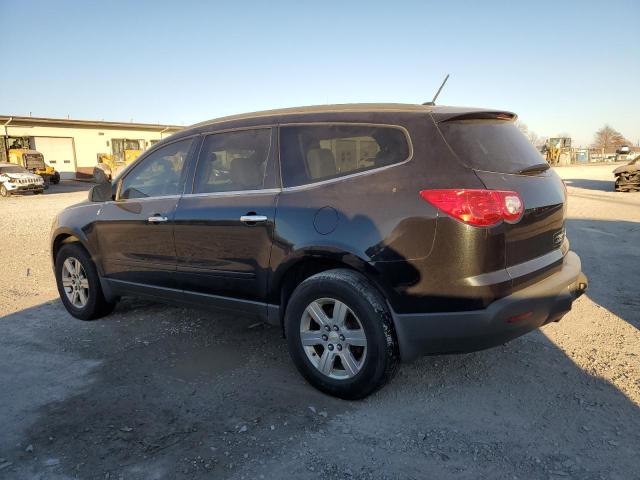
(371, 233)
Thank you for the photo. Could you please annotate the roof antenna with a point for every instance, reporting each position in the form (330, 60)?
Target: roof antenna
(433, 102)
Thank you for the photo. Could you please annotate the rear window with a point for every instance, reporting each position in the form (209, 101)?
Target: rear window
(312, 153)
(494, 146)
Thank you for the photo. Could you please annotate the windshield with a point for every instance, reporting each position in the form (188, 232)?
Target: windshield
(12, 169)
(491, 145)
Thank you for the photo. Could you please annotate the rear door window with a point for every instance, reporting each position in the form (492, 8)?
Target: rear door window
(233, 161)
(491, 145)
(312, 153)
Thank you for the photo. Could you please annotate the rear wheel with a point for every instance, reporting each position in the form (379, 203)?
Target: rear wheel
(340, 334)
(79, 284)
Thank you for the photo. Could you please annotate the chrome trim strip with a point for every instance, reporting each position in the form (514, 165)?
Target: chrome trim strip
(253, 218)
(265, 191)
(345, 177)
(514, 271)
(535, 264)
(143, 199)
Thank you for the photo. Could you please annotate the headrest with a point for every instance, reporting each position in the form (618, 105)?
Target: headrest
(246, 173)
(321, 163)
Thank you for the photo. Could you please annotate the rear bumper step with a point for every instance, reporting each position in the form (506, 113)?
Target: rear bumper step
(505, 319)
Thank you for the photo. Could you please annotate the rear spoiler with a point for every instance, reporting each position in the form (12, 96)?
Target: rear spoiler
(448, 114)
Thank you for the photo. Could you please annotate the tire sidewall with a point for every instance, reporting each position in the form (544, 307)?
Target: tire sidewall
(74, 250)
(380, 345)
(3, 191)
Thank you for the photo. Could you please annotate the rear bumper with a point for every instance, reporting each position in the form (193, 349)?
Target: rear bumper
(503, 320)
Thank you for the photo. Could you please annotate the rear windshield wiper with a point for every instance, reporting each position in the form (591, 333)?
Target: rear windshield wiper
(537, 168)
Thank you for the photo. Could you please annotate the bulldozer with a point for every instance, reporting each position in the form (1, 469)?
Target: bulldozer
(18, 151)
(558, 151)
(124, 152)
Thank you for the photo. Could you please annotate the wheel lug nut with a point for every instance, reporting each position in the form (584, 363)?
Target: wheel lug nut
(342, 338)
(335, 327)
(339, 347)
(325, 338)
(327, 328)
(330, 346)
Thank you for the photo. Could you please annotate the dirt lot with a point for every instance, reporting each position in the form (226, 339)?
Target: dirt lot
(162, 392)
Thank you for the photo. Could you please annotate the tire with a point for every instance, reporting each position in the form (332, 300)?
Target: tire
(55, 179)
(367, 313)
(96, 305)
(4, 192)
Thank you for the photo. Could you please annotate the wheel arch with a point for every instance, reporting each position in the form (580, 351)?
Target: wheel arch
(306, 264)
(63, 236)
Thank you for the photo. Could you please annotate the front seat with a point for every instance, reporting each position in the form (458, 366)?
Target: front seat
(321, 163)
(204, 178)
(246, 173)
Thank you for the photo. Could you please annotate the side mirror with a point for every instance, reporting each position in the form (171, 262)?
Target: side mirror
(102, 192)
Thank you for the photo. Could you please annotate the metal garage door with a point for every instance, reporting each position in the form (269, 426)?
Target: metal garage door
(58, 152)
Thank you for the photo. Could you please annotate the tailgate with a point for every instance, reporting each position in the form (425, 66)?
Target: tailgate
(534, 244)
(504, 159)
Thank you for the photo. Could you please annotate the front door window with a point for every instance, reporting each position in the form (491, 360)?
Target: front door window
(159, 174)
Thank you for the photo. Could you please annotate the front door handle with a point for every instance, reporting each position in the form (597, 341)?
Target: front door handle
(157, 219)
(253, 218)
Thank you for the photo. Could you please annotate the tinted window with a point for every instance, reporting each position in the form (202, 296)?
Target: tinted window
(159, 174)
(495, 146)
(233, 161)
(320, 152)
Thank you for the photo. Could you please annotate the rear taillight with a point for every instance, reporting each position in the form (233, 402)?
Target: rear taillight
(480, 208)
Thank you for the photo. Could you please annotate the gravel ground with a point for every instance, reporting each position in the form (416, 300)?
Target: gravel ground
(157, 392)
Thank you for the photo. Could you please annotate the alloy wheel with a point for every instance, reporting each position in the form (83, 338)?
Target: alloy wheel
(333, 338)
(75, 282)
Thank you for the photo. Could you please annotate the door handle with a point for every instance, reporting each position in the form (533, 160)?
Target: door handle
(253, 218)
(157, 219)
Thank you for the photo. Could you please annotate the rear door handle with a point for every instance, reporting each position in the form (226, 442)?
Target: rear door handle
(253, 218)
(157, 219)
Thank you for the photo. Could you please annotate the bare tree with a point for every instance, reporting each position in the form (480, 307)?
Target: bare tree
(522, 127)
(608, 137)
(530, 134)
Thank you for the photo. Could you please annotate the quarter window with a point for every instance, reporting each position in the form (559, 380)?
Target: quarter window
(233, 161)
(313, 153)
(159, 174)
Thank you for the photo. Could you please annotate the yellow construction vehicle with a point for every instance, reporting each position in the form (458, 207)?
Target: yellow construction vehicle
(558, 151)
(124, 152)
(18, 152)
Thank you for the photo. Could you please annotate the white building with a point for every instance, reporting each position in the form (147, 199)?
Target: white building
(72, 146)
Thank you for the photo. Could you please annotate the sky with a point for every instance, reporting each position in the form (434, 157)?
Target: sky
(562, 66)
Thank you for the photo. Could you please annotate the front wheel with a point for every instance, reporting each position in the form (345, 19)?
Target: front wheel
(79, 284)
(4, 192)
(340, 334)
